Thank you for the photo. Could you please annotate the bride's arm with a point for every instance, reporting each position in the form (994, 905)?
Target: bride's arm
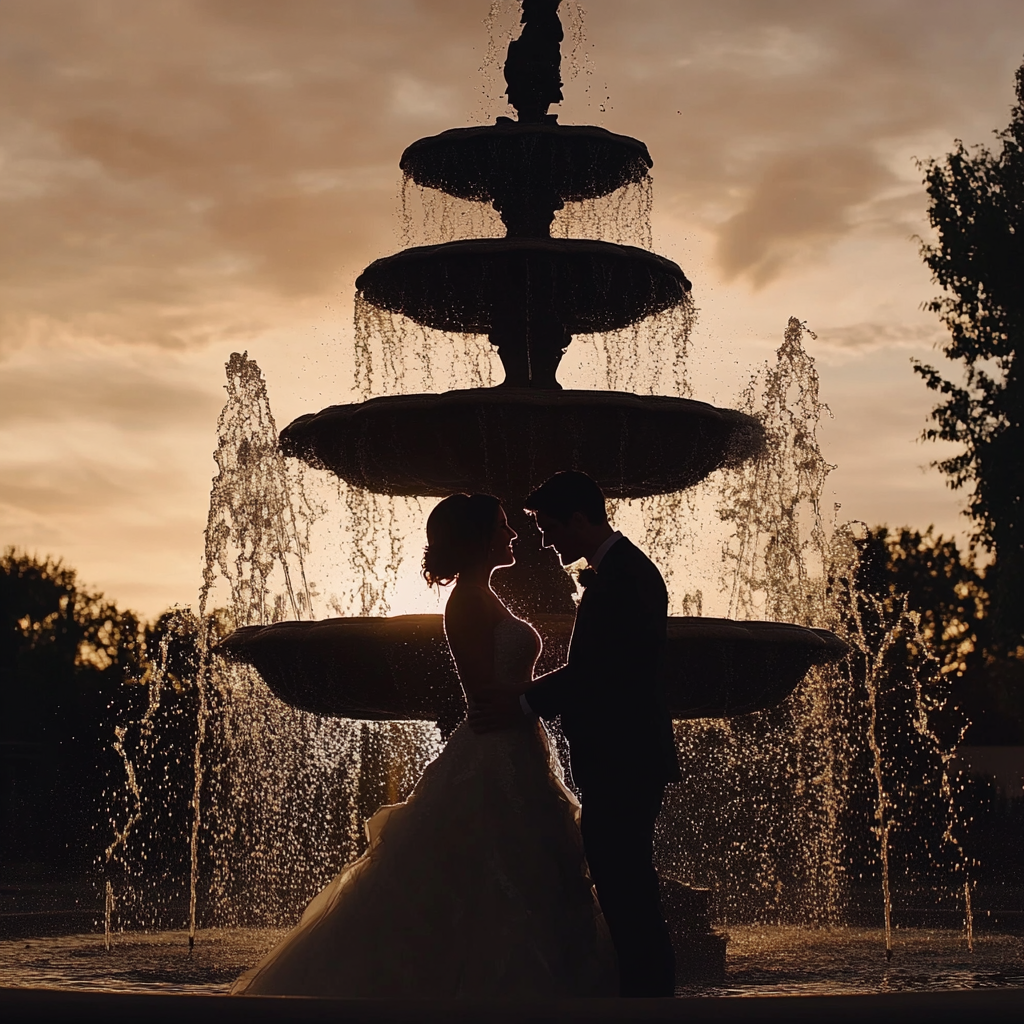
(469, 622)
(547, 693)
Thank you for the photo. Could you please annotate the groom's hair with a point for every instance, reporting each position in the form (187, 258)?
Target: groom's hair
(566, 493)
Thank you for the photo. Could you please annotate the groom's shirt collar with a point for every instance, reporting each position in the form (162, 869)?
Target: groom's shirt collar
(595, 562)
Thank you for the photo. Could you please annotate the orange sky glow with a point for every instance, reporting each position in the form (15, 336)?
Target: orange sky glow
(181, 179)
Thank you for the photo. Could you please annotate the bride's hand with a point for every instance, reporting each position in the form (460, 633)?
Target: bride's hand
(496, 710)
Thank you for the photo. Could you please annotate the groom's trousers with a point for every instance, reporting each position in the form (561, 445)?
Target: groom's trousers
(617, 821)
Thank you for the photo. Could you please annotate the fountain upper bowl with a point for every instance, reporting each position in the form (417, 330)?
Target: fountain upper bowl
(491, 162)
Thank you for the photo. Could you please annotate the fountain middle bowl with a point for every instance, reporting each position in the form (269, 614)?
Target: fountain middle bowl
(399, 668)
(508, 440)
(476, 285)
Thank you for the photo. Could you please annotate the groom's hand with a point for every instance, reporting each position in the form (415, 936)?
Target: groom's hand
(491, 712)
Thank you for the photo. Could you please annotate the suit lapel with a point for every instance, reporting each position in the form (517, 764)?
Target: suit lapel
(581, 613)
(585, 609)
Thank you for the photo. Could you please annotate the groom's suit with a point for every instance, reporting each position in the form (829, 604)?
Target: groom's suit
(622, 753)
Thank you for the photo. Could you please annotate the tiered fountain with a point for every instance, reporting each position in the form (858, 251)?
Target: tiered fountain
(529, 294)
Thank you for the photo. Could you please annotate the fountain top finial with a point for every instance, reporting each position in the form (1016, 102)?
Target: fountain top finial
(533, 68)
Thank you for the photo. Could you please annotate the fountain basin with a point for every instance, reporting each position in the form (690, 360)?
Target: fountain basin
(484, 285)
(399, 668)
(490, 163)
(507, 440)
(773, 974)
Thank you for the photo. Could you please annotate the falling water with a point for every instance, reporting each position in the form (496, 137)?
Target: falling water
(120, 834)
(257, 853)
(758, 818)
(769, 815)
(253, 517)
(214, 765)
(623, 216)
(429, 217)
(396, 356)
(108, 914)
(968, 916)
(766, 815)
(144, 763)
(910, 762)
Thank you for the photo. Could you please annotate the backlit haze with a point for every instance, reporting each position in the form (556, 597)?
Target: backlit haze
(182, 179)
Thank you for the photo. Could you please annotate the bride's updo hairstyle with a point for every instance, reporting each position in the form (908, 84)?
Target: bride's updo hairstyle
(459, 532)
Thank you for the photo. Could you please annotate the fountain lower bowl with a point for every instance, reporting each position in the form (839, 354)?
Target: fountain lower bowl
(399, 668)
(481, 285)
(507, 440)
(490, 162)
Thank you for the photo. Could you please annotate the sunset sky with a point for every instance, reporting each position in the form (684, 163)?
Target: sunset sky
(181, 179)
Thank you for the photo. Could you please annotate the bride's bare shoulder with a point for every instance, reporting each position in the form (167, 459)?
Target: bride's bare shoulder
(471, 608)
(469, 620)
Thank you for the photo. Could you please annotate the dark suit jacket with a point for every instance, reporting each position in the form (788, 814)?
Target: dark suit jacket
(609, 692)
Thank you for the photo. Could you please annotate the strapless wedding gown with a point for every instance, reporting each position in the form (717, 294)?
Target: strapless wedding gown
(475, 886)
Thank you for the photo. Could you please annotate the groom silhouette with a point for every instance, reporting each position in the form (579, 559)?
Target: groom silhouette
(614, 718)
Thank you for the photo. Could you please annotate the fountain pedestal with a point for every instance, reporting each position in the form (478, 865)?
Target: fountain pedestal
(699, 949)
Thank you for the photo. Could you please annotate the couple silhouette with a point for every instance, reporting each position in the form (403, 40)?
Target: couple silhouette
(491, 880)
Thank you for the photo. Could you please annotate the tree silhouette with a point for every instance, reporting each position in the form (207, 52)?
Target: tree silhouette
(65, 655)
(950, 594)
(977, 209)
(939, 661)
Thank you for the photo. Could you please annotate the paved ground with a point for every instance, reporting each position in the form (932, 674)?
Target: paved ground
(972, 1007)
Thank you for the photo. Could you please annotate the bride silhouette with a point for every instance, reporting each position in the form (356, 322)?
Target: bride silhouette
(476, 885)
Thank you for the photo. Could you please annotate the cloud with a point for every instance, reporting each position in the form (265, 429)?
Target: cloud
(766, 50)
(870, 337)
(790, 121)
(179, 177)
(105, 460)
(179, 170)
(800, 204)
(70, 388)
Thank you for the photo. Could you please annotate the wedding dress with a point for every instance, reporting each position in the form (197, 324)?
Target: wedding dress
(475, 886)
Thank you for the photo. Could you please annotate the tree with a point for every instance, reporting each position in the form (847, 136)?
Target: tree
(949, 594)
(944, 589)
(924, 608)
(65, 654)
(98, 722)
(977, 209)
